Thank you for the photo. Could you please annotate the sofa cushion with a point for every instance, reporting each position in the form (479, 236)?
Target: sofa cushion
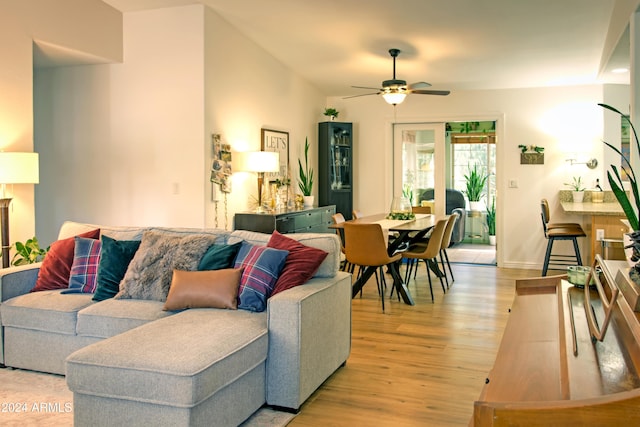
(204, 289)
(219, 256)
(49, 311)
(328, 242)
(56, 265)
(151, 269)
(84, 270)
(114, 261)
(167, 362)
(261, 268)
(111, 317)
(301, 264)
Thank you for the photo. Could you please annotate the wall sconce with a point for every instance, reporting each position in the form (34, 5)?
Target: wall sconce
(591, 163)
(15, 168)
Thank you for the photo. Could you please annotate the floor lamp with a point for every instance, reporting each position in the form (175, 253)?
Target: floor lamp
(260, 162)
(15, 168)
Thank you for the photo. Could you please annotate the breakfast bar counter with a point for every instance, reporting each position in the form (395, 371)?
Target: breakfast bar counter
(591, 208)
(606, 216)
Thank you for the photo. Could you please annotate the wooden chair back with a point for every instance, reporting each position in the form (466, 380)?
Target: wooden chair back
(365, 245)
(448, 231)
(421, 209)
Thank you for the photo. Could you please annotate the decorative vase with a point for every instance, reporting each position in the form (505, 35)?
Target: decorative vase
(492, 240)
(578, 196)
(400, 205)
(308, 201)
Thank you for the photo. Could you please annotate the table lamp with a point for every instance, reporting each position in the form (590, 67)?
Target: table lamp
(15, 168)
(260, 162)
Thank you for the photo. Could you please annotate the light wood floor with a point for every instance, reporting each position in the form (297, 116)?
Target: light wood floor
(422, 365)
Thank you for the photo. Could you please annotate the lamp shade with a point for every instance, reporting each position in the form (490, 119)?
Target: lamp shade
(19, 168)
(394, 98)
(259, 161)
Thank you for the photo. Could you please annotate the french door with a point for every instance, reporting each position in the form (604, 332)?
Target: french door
(420, 162)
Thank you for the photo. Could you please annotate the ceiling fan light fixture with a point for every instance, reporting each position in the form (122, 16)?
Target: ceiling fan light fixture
(394, 98)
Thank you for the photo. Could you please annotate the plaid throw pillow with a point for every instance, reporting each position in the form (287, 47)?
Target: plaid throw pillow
(84, 270)
(261, 269)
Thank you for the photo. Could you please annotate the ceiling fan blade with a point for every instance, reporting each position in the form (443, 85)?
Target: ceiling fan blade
(364, 94)
(432, 92)
(419, 85)
(365, 87)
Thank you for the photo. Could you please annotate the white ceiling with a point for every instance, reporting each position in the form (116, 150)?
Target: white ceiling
(453, 44)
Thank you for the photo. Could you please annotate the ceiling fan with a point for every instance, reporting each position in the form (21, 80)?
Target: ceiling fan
(394, 91)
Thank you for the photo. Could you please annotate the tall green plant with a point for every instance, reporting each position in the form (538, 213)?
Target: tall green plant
(476, 182)
(491, 217)
(305, 181)
(615, 180)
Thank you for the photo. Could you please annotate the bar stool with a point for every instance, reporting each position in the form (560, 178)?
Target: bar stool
(544, 208)
(567, 232)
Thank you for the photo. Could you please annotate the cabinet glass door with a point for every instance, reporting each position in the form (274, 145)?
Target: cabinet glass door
(340, 170)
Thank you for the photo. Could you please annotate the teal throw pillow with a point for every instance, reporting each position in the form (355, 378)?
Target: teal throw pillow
(219, 257)
(114, 261)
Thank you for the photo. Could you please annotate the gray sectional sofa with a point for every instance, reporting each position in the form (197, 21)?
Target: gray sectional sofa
(128, 362)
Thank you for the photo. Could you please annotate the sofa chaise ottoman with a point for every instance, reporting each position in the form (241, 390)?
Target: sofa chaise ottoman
(130, 362)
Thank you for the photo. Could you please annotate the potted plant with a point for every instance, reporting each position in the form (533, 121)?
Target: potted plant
(632, 239)
(331, 113)
(28, 252)
(577, 189)
(305, 180)
(491, 221)
(475, 183)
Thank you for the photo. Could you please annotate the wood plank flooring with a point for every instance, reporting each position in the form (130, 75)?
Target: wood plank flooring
(421, 365)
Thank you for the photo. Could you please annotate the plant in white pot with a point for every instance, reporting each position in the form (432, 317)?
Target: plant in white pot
(577, 189)
(332, 113)
(491, 221)
(475, 184)
(305, 179)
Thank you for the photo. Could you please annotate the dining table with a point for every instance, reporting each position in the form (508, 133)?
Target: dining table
(406, 230)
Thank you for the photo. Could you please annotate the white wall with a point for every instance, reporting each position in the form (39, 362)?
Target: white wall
(560, 119)
(130, 143)
(246, 90)
(121, 143)
(87, 27)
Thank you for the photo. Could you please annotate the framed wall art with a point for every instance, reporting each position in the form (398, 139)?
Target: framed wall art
(278, 141)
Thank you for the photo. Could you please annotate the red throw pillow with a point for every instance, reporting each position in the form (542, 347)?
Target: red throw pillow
(56, 265)
(301, 264)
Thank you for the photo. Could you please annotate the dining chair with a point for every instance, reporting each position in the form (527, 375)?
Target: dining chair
(365, 246)
(446, 241)
(355, 214)
(421, 209)
(338, 218)
(428, 253)
(346, 265)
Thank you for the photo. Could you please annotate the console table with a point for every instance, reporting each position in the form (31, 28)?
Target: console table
(311, 220)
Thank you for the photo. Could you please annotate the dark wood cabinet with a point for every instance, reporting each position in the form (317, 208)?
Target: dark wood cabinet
(312, 220)
(335, 166)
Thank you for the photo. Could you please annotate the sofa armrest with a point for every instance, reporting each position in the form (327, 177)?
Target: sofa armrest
(309, 338)
(19, 280)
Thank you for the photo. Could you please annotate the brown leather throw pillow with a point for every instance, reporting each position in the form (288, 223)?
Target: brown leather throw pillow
(204, 289)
